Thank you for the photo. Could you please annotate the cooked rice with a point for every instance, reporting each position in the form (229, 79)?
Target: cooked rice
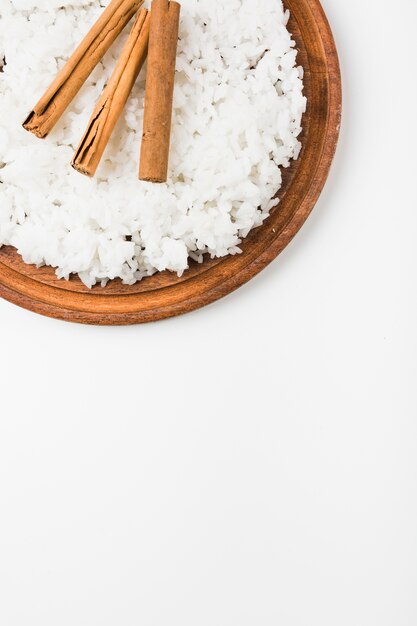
(238, 107)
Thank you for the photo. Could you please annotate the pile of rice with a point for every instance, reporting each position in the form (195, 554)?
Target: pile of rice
(238, 107)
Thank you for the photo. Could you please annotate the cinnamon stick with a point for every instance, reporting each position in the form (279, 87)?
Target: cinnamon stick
(113, 99)
(163, 41)
(73, 75)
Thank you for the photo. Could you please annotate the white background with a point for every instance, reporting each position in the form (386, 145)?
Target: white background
(253, 463)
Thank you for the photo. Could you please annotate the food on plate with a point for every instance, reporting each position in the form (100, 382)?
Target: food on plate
(73, 75)
(159, 92)
(236, 119)
(113, 99)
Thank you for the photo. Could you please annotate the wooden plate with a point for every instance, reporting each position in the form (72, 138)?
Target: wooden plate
(166, 295)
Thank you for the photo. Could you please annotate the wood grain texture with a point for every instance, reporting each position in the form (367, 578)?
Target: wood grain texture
(166, 295)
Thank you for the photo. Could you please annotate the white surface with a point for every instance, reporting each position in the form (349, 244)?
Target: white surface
(197, 472)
